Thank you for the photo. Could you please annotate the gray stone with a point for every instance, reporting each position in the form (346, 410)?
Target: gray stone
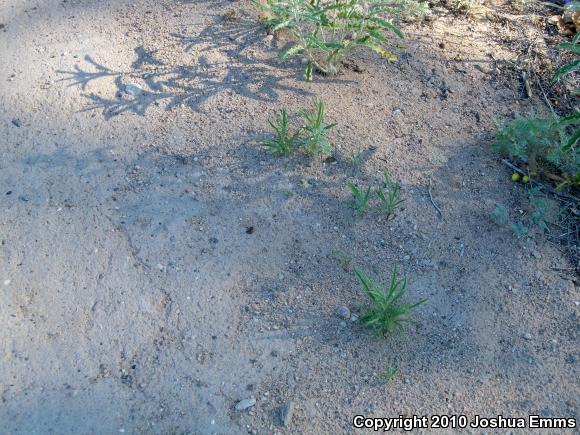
(134, 89)
(245, 404)
(343, 312)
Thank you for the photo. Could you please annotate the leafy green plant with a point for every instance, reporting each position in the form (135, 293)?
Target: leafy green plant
(361, 198)
(284, 142)
(388, 311)
(541, 143)
(389, 373)
(316, 131)
(574, 118)
(325, 32)
(389, 197)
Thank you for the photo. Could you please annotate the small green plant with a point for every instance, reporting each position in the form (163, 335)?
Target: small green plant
(316, 129)
(326, 32)
(356, 159)
(284, 142)
(312, 136)
(388, 311)
(500, 215)
(389, 197)
(361, 198)
(389, 373)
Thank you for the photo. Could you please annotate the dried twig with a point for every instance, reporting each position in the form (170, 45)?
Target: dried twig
(515, 168)
(433, 202)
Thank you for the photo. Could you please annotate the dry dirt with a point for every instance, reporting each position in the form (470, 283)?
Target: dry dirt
(157, 266)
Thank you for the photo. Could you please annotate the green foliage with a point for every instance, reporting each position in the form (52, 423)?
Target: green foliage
(361, 198)
(312, 136)
(316, 130)
(574, 118)
(389, 373)
(388, 311)
(542, 212)
(389, 197)
(325, 32)
(283, 143)
(500, 215)
(541, 143)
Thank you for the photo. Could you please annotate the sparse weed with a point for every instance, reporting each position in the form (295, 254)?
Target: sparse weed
(326, 32)
(361, 198)
(316, 131)
(356, 159)
(389, 197)
(389, 373)
(500, 215)
(312, 136)
(284, 142)
(388, 311)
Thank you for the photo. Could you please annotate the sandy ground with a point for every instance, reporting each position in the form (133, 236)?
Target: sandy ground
(157, 266)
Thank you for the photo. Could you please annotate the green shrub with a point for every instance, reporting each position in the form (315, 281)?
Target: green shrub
(541, 143)
(388, 311)
(325, 32)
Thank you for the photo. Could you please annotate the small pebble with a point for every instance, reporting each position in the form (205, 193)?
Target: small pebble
(528, 336)
(134, 89)
(343, 312)
(245, 404)
(16, 122)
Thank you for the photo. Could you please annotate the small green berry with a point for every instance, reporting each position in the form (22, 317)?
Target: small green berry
(515, 177)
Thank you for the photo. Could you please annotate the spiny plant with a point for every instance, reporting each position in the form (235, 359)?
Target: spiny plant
(327, 31)
(389, 373)
(361, 198)
(388, 311)
(284, 142)
(316, 131)
(389, 197)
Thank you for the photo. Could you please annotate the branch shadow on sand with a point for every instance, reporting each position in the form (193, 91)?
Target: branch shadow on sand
(230, 55)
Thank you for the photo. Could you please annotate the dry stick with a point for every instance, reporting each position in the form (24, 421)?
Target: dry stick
(433, 202)
(527, 84)
(515, 168)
